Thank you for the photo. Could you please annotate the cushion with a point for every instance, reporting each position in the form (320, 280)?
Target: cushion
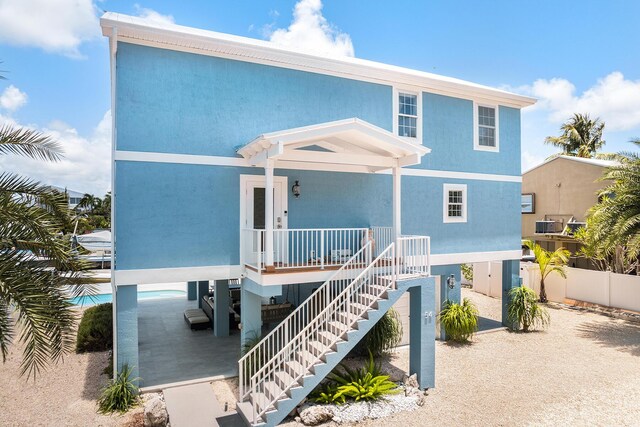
(198, 319)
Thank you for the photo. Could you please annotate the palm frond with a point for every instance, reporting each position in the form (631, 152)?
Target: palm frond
(29, 143)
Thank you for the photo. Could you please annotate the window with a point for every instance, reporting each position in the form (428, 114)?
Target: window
(528, 203)
(455, 203)
(485, 128)
(407, 110)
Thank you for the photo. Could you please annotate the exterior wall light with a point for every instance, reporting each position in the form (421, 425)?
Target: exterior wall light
(295, 189)
(451, 281)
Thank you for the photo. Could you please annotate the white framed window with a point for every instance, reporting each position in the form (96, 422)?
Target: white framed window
(454, 203)
(485, 127)
(407, 114)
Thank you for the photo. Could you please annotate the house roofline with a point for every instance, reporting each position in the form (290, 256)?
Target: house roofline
(592, 162)
(137, 30)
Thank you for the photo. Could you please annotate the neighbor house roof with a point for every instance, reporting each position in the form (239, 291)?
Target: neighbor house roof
(70, 193)
(137, 30)
(594, 162)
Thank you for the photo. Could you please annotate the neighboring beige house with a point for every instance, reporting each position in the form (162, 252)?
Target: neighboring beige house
(556, 196)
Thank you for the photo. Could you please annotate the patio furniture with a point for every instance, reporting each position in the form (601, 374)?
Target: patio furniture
(275, 313)
(209, 311)
(197, 319)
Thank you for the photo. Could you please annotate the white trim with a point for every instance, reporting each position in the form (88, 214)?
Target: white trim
(476, 135)
(113, 47)
(245, 179)
(397, 90)
(470, 257)
(174, 37)
(592, 162)
(446, 188)
(178, 274)
(190, 159)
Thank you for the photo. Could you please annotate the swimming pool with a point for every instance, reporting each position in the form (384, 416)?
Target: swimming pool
(142, 295)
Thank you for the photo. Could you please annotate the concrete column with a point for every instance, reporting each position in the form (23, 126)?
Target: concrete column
(268, 213)
(192, 291)
(203, 289)
(250, 316)
(126, 343)
(422, 334)
(447, 293)
(221, 308)
(397, 204)
(510, 279)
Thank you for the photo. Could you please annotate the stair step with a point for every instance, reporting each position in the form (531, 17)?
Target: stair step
(285, 380)
(306, 358)
(328, 338)
(336, 327)
(368, 300)
(262, 402)
(348, 318)
(273, 390)
(295, 368)
(378, 289)
(357, 308)
(318, 348)
(245, 409)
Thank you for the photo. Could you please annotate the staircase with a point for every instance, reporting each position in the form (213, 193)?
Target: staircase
(294, 358)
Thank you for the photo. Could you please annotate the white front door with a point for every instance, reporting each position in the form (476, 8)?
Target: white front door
(252, 212)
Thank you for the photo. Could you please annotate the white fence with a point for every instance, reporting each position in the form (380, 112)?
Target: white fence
(597, 287)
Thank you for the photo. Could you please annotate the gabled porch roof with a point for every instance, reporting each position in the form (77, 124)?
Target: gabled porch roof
(352, 142)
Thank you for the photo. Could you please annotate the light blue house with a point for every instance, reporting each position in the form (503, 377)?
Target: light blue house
(347, 181)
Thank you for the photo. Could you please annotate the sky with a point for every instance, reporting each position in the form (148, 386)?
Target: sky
(574, 56)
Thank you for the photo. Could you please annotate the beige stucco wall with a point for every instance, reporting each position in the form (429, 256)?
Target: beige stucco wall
(562, 187)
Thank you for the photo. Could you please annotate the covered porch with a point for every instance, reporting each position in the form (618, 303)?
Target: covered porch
(350, 145)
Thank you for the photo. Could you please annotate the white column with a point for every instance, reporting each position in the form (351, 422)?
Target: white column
(268, 213)
(397, 217)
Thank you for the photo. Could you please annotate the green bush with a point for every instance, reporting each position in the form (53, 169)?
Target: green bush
(366, 383)
(120, 394)
(385, 335)
(525, 311)
(95, 332)
(460, 321)
(467, 272)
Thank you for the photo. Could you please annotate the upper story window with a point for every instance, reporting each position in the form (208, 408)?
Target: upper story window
(455, 203)
(485, 127)
(407, 109)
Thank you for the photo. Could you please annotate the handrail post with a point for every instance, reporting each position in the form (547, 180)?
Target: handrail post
(322, 250)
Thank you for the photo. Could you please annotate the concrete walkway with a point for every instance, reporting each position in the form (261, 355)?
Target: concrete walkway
(196, 406)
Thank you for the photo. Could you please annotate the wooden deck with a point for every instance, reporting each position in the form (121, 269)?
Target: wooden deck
(281, 268)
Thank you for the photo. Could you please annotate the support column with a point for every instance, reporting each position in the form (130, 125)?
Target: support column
(221, 308)
(192, 291)
(422, 332)
(126, 309)
(250, 316)
(268, 214)
(203, 289)
(447, 293)
(510, 279)
(397, 204)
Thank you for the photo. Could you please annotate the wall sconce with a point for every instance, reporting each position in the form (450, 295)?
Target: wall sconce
(451, 281)
(295, 189)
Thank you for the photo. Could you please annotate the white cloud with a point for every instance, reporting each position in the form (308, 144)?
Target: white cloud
(153, 16)
(310, 31)
(12, 98)
(58, 26)
(530, 160)
(613, 98)
(86, 166)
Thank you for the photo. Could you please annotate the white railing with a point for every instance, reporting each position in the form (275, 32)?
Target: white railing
(252, 248)
(322, 319)
(415, 253)
(382, 236)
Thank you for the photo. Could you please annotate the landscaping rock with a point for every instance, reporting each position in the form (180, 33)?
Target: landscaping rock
(312, 415)
(411, 381)
(155, 413)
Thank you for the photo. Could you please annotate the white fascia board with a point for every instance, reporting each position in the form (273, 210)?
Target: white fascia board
(175, 37)
(471, 257)
(180, 274)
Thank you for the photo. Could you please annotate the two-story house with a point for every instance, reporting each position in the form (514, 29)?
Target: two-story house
(349, 181)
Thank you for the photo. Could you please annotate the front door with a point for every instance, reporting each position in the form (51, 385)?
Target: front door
(253, 214)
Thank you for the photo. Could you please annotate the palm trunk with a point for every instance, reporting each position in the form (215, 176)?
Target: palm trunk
(543, 293)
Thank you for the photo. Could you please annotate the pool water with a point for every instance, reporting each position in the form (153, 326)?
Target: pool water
(142, 295)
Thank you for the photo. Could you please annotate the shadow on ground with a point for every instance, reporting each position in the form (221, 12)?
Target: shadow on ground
(621, 336)
(94, 379)
(486, 324)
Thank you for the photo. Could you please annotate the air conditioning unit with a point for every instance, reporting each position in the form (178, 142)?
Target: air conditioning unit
(548, 227)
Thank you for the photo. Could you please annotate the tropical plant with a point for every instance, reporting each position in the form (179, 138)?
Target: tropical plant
(95, 332)
(467, 272)
(460, 321)
(581, 136)
(385, 335)
(120, 394)
(548, 262)
(327, 392)
(612, 236)
(38, 271)
(524, 311)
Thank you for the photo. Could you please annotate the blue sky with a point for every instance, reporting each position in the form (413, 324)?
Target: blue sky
(576, 56)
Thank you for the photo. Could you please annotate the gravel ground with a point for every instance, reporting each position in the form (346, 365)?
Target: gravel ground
(63, 395)
(584, 370)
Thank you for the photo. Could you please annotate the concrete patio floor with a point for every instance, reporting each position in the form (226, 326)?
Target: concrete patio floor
(170, 352)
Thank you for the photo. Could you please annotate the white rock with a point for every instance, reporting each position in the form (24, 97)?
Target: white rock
(155, 413)
(411, 381)
(312, 415)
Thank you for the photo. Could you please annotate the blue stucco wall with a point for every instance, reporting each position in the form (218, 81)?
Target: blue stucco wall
(176, 215)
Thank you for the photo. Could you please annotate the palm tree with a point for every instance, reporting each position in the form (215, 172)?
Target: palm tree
(38, 273)
(87, 202)
(581, 136)
(548, 262)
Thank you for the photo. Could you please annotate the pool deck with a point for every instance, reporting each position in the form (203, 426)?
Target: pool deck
(170, 352)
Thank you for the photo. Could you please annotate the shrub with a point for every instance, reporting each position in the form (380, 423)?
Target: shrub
(95, 332)
(385, 335)
(524, 310)
(120, 394)
(460, 321)
(365, 383)
(467, 272)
